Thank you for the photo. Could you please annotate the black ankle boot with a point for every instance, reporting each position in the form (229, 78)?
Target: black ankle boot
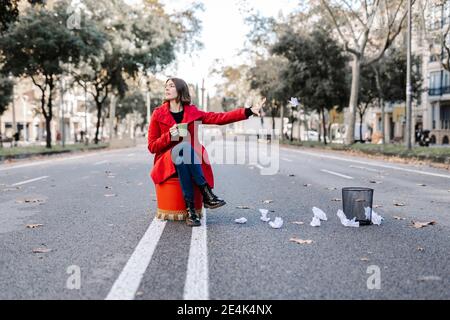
(210, 200)
(192, 219)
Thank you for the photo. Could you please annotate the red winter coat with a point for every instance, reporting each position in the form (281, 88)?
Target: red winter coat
(159, 137)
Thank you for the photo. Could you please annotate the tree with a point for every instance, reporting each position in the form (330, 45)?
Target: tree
(38, 46)
(133, 103)
(366, 29)
(316, 72)
(138, 40)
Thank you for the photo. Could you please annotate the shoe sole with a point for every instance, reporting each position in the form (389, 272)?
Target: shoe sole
(191, 224)
(207, 206)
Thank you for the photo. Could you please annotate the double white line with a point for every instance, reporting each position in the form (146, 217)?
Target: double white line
(196, 286)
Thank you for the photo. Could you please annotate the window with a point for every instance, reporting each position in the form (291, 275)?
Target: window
(433, 116)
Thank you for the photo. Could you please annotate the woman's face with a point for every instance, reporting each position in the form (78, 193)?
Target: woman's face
(170, 90)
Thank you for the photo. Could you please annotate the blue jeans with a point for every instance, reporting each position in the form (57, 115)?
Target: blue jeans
(187, 164)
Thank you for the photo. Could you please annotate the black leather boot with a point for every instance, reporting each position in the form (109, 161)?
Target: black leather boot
(210, 200)
(192, 219)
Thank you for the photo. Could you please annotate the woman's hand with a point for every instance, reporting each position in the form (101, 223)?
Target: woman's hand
(256, 109)
(174, 130)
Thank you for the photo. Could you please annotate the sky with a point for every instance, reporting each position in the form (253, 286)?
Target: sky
(223, 35)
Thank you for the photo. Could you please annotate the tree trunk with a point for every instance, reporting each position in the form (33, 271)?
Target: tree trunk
(99, 117)
(48, 118)
(282, 122)
(353, 104)
(380, 101)
(324, 126)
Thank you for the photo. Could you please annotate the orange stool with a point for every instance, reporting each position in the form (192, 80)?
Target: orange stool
(170, 200)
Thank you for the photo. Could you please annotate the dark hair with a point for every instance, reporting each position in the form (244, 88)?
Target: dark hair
(183, 95)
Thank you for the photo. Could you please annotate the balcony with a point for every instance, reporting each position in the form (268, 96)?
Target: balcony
(439, 91)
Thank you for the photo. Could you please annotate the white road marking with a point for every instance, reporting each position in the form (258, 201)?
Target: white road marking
(336, 174)
(364, 168)
(196, 286)
(36, 163)
(371, 164)
(130, 154)
(28, 181)
(130, 278)
(100, 162)
(286, 159)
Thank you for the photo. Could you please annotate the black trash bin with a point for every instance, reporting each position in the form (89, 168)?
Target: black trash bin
(354, 202)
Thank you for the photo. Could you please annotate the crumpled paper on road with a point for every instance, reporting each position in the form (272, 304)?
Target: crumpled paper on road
(346, 222)
(241, 220)
(376, 218)
(277, 223)
(318, 215)
(264, 216)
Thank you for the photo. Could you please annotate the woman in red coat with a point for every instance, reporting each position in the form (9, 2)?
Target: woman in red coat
(189, 159)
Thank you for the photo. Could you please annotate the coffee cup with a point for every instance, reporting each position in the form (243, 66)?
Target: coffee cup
(182, 129)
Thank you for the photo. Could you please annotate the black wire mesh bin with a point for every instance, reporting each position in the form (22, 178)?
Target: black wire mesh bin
(357, 203)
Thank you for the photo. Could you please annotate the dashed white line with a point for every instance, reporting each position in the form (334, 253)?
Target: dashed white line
(100, 162)
(371, 164)
(336, 174)
(128, 282)
(28, 181)
(196, 286)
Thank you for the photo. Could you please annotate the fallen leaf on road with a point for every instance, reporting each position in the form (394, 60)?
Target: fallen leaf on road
(291, 175)
(399, 218)
(111, 195)
(399, 204)
(336, 199)
(418, 224)
(420, 249)
(421, 184)
(33, 226)
(41, 250)
(377, 206)
(375, 181)
(268, 201)
(298, 222)
(330, 188)
(364, 259)
(430, 278)
(300, 241)
(242, 207)
(31, 200)
(307, 184)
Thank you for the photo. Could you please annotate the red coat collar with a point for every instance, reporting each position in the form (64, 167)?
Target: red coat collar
(191, 113)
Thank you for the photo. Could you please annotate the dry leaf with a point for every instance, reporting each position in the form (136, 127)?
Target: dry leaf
(377, 206)
(268, 201)
(364, 259)
(242, 207)
(30, 200)
(330, 188)
(418, 224)
(300, 241)
(399, 218)
(33, 226)
(298, 222)
(336, 199)
(41, 250)
(111, 195)
(374, 181)
(420, 249)
(307, 184)
(421, 184)
(398, 204)
(291, 175)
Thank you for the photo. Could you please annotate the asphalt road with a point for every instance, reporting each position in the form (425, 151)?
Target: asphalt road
(97, 212)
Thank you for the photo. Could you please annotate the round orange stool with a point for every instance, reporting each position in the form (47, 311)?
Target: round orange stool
(170, 200)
